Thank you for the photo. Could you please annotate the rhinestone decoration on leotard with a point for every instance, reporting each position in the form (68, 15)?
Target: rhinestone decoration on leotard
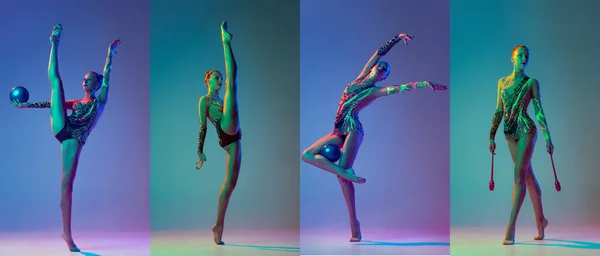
(346, 118)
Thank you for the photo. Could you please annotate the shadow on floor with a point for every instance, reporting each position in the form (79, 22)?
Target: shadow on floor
(379, 243)
(572, 244)
(89, 254)
(267, 247)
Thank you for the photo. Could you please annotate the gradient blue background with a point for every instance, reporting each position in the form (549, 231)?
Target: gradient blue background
(404, 155)
(111, 187)
(186, 42)
(564, 58)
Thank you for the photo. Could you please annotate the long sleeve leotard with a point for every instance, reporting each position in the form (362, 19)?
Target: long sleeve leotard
(517, 122)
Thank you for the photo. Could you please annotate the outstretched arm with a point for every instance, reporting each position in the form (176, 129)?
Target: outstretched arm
(53, 74)
(230, 64)
(42, 104)
(370, 64)
(539, 111)
(498, 112)
(389, 90)
(202, 112)
(103, 95)
(382, 51)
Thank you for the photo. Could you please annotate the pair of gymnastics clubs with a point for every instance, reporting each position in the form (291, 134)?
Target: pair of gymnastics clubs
(556, 182)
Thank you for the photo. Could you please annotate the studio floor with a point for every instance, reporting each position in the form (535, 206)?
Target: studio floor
(237, 242)
(558, 242)
(90, 244)
(374, 242)
(465, 241)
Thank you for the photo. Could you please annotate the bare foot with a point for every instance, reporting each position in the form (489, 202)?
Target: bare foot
(541, 228)
(508, 242)
(55, 36)
(226, 36)
(56, 30)
(69, 240)
(351, 176)
(509, 239)
(217, 234)
(356, 235)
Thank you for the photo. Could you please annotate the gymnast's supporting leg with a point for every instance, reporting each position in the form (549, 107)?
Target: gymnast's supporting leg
(349, 153)
(71, 150)
(535, 194)
(525, 148)
(234, 161)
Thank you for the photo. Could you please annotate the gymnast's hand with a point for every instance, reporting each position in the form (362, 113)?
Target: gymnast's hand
(405, 38)
(55, 36)
(492, 146)
(224, 33)
(113, 46)
(201, 161)
(549, 147)
(17, 104)
(436, 87)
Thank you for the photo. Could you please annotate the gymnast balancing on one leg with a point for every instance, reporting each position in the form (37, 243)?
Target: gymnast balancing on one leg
(73, 130)
(223, 114)
(348, 131)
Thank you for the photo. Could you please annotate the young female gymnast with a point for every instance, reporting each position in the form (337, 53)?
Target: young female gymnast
(73, 130)
(223, 114)
(348, 132)
(515, 92)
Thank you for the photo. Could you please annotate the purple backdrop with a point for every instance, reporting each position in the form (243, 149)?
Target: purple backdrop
(111, 188)
(404, 154)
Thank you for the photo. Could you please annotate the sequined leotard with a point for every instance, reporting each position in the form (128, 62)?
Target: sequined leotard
(215, 115)
(350, 104)
(517, 122)
(81, 122)
(346, 119)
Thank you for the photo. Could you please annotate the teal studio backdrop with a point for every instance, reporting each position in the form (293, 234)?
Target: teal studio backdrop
(564, 57)
(186, 43)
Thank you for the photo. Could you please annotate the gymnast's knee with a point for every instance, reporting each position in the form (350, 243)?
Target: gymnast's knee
(520, 176)
(308, 156)
(233, 183)
(55, 84)
(529, 181)
(231, 85)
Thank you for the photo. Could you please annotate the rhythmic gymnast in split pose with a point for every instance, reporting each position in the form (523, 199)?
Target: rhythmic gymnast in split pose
(72, 130)
(515, 92)
(223, 113)
(348, 132)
